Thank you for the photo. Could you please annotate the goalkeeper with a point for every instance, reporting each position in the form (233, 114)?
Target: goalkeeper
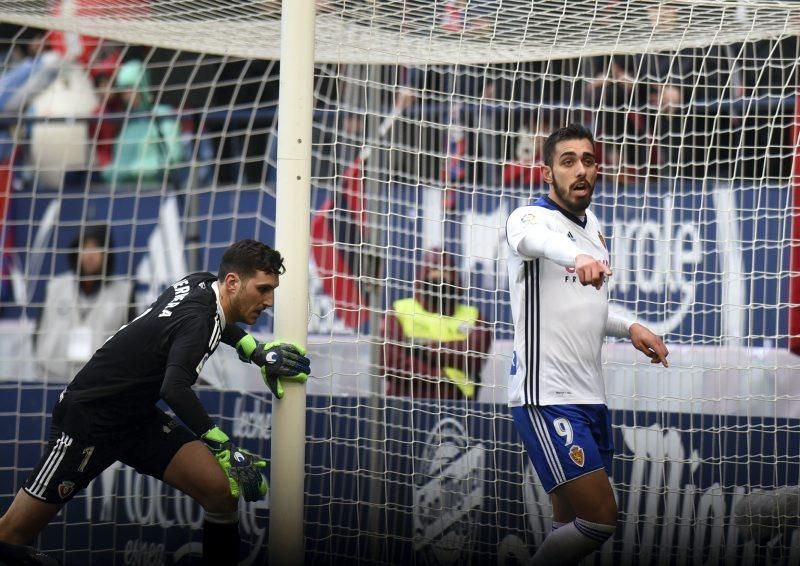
(108, 412)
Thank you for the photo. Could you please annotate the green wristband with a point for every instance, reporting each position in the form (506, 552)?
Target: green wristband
(245, 347)
(216, 435)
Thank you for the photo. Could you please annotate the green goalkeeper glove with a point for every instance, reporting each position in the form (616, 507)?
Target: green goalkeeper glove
(240, 466)
(279, 362)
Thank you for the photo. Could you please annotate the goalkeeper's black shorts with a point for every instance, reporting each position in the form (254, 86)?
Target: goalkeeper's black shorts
(69, 464)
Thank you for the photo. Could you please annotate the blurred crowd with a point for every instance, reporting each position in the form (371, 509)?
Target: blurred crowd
(82, 114)
(128, 114)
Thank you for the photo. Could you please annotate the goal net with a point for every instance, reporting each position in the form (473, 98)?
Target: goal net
(157, 120)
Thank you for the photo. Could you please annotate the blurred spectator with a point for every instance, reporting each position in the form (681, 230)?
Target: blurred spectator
(83, 307)
(110, 102)
(620, 125)
(33, 69)
(30, 71)
(59, 146)
(248, 87)
(436, 344)
(638, 100)
(525, 170)
(150, 140)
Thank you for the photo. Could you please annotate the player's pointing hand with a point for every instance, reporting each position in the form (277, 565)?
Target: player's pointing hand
(591, 271)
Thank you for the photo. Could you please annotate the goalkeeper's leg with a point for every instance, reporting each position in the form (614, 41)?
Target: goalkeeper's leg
(167, 450)
(194, 471)
(25, 518)
(20, 524)
(17, 555)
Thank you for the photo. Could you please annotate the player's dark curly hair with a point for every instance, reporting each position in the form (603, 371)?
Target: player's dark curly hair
(571, 132)
(245, 257)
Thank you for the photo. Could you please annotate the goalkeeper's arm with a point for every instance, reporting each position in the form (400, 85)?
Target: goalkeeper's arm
(242, 468)
(232, 336)
(176, 390)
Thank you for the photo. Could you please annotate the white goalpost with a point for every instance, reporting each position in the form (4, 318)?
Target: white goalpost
(404, 127)
(293, 196)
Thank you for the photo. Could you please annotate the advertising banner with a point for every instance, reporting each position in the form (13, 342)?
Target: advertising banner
(453, 486)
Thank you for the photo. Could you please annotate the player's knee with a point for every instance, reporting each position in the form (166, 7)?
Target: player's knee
(217, 497)
(596, 532)
(612, 513)
(220, 503)
(223, 504)
(603, 511)
(605, 514)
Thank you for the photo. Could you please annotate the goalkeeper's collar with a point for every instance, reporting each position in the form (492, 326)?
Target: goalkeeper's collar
(220, 312)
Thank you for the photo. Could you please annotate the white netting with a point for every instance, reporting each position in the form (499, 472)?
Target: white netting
(430, 31)
(428, 128)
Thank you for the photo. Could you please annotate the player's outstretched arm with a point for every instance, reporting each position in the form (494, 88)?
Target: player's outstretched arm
(649, 344)
(529, 236)
(242, 468)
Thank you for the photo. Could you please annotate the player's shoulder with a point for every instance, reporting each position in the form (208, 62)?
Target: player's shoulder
(201, 285)
(201, 289)
(192, 297)
(201, 279)
(592, 222)
(539, 207)
(521, 212)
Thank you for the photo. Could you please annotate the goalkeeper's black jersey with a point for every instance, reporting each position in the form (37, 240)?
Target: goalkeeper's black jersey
(120, 385)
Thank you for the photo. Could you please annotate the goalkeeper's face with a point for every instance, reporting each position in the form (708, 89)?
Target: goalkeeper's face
(573, 175)
(253, 295)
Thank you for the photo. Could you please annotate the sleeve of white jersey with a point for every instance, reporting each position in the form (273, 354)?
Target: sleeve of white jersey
(618, 323)
(530, 236)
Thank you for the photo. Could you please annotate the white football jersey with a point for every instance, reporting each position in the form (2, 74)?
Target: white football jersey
(559, 324)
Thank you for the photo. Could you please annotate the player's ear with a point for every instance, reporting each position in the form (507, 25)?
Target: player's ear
(548, 174)
(232, 282)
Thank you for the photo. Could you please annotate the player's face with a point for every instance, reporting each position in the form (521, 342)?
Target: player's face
(254, 295)
(573, 175)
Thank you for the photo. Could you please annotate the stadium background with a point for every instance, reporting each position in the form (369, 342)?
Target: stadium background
(691, 445)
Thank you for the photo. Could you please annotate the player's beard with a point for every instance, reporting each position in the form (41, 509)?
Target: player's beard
(240, 308)
(577, 205)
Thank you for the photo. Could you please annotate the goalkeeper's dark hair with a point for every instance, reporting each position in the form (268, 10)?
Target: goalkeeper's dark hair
(571, 132)
(245, 257)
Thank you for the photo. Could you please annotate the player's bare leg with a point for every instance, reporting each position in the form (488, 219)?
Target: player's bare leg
(589, 497)
(25, 518)
(563, 512)
(20, 524)
(588, 511)
(194, 471)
